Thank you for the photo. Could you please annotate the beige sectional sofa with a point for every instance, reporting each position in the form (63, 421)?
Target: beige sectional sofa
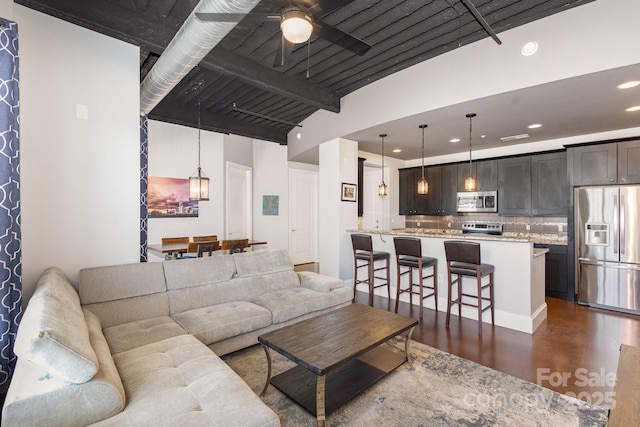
(138, 344)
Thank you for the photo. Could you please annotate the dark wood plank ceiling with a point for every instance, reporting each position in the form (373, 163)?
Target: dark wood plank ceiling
(239, 70)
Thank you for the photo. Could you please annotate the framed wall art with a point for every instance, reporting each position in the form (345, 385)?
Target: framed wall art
(349, 192)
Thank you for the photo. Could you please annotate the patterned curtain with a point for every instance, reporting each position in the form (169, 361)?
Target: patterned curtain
(10, 236)
(144, 172)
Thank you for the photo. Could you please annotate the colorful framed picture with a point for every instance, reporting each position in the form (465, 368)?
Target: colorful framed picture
(169, 198)
(349, 192)
(270, 205)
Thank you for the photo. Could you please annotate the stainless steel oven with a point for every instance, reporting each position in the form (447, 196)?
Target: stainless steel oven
(478, 201)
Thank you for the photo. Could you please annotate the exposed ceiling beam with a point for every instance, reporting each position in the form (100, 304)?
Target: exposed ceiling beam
(231, 64)
(170, 112)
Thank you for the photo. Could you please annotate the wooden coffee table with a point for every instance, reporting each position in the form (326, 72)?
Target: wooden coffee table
(338, 355)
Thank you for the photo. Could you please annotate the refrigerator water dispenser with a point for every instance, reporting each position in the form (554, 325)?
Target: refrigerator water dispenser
(597, 234)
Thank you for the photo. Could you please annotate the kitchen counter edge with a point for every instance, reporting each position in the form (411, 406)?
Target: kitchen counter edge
(546, 239)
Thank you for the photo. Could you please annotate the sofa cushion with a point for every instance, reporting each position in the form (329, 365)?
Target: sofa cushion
(189, 273)
(258, 263)
(114, 282)
(37, 398)
(217, 322)
(142, 332)
(288, 304)
(319, 282)
(53, 333)
(180, 382)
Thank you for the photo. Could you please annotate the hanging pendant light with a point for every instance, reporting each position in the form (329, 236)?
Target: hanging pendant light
(382, 188)
(423, 185)
(199, 183)
(470, 182)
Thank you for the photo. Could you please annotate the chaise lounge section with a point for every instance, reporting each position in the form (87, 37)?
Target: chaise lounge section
(139, 343)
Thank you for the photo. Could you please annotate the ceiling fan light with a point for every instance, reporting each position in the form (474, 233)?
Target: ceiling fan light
(296, 26)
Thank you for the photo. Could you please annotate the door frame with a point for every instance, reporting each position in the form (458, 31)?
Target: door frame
(247, 171)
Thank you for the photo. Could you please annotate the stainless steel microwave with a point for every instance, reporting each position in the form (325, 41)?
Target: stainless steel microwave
(478, 201)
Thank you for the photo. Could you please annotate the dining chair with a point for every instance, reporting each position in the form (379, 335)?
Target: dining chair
(235, 245)
(210, 238)
(197, 249)
(171, 240)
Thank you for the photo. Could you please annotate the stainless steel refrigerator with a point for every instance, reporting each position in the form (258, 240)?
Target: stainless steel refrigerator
(607, 240)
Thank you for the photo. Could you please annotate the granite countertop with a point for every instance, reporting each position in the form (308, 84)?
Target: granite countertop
(540, 238)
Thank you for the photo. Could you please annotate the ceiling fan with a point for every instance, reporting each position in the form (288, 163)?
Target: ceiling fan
(299, 19)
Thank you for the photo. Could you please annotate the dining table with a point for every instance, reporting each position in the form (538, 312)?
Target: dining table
(175, 250)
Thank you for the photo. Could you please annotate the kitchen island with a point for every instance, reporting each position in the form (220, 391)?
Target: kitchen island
(519, 282)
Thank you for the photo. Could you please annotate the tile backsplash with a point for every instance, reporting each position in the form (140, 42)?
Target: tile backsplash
(547, 225)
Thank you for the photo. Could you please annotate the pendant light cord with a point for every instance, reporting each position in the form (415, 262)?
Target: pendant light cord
(199, 174)
(470, 116)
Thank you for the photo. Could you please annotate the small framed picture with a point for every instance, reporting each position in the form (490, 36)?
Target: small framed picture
(349, 192)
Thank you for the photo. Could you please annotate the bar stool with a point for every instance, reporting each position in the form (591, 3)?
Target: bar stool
(365, 256)
(463, 259)
(409, 254)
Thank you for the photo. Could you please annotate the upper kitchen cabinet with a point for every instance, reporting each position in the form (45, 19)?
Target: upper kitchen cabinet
(629, 162)
(602, 164)
(485, 171)
(549, 188)
(441, 199)
(448, 189)
(514, 186)
(533, 185)
(410, 202)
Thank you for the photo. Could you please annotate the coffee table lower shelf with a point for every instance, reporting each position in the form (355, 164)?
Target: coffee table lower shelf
(342, 383)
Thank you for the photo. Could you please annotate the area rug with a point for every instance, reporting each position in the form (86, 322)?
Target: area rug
(443, 390)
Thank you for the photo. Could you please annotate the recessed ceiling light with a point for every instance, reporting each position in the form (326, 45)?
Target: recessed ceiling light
(454, 140)
(535, 126)
(397, 150)
(629, 85)
(298, 135)
(634, 108)
(529, 48)
(483, 136)
(514, 137)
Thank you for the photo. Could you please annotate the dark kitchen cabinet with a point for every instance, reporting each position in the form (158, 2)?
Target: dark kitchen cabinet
(410, 202)
(549, 188)
(448, 190)
(556, 280)
(441, 199)
(603, 164)
(514, 186)
(533, 185)
(485, 171)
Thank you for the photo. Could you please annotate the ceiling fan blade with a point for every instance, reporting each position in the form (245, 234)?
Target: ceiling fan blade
(232, 17)
(323, 7)
(285, 47)
(340, 38)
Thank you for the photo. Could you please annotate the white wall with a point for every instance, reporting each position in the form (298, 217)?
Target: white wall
(173, 153)
(271, 177)
(79, 178)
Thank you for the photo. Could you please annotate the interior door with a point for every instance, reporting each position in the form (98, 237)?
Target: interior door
(303, 194)
(238, 206)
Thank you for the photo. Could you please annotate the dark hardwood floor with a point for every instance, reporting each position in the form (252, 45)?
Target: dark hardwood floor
(575, 350)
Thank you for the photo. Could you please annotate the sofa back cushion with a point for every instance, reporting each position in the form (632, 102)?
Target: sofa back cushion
(258, 263)
(124, 293)
(189, 273)
(114, 282)
(53, 333)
